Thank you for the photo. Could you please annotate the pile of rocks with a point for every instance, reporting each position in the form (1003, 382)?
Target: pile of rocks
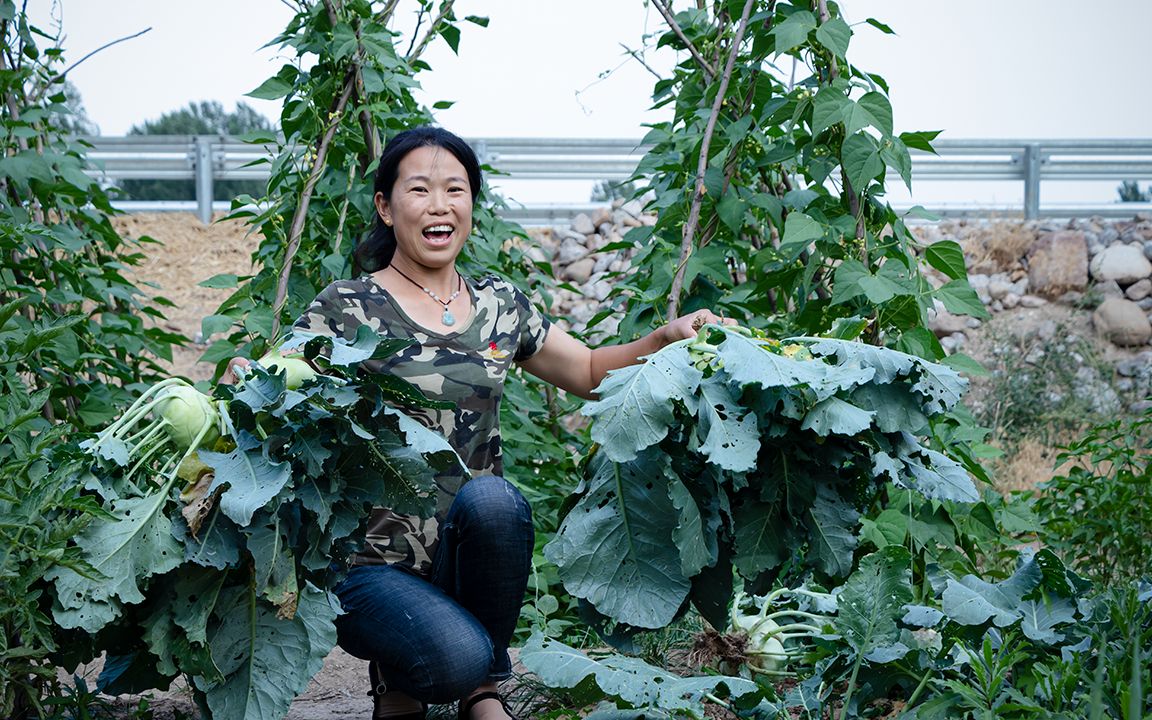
(587, 255)
(1087, 266)
(1092, 263)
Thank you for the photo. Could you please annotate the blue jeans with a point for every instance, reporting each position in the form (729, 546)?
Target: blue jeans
(438, 639)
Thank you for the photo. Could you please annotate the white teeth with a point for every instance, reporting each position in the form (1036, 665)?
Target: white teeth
(438, 228)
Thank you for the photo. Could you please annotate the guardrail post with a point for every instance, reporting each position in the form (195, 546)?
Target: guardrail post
(1032, 160)
(204, 172)
(481, 149)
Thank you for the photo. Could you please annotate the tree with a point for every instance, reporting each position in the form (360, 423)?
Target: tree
(609, 190)
(207, 117)
(74, 118)
(1130, 192)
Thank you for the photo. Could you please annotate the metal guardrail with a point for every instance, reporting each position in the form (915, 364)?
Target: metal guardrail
(209, 158)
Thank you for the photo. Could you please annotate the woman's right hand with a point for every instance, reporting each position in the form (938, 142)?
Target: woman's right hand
(231, 375)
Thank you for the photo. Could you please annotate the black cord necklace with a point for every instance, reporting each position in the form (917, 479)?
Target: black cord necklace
(447, 318)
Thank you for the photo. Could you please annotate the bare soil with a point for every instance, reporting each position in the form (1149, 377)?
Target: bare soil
(188, 253)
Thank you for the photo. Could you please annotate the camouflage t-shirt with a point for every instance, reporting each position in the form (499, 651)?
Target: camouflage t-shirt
(465, 366)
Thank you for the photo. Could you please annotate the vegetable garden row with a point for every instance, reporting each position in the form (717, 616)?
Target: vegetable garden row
(803, 494)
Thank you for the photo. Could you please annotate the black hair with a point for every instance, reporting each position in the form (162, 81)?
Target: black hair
(376, 252)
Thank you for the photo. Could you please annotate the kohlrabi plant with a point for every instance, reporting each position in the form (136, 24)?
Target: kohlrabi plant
(226, 577)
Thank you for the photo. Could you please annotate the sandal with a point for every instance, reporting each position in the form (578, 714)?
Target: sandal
(466, 705)
(379, 690)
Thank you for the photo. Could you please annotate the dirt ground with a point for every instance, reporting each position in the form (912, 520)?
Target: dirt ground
(190, 252)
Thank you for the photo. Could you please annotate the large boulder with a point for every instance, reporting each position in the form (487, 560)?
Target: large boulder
(1122, 322)
(1058, 263)
(579, 271)
(1125, 264)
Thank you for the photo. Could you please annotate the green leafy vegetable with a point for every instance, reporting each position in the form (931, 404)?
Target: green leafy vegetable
(228, 579)
(797, 438)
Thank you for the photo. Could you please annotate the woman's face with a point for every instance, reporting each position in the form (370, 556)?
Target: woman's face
(431, 207)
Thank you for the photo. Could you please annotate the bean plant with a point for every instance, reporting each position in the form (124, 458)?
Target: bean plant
(77, 336)
(349, 86)
(768, 183)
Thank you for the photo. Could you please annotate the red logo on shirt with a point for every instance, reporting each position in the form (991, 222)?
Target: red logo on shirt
(493, 352)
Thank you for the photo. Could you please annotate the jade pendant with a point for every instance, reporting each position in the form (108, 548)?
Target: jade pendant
(448, 318)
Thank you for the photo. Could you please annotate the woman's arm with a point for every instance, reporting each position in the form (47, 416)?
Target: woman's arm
(571, 365)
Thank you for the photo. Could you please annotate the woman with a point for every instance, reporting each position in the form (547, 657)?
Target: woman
(433, 603)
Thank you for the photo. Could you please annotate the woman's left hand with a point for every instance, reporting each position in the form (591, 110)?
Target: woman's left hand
(689, 325)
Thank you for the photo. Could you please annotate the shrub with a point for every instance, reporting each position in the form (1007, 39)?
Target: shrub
(1097, 515)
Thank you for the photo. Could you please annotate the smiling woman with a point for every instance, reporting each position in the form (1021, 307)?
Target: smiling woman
(432, 602)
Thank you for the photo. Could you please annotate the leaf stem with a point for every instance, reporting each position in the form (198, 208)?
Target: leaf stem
(797, 613)
(851, 686)
(711, 697)
(142, 405)
(770, 673)
(919, 689)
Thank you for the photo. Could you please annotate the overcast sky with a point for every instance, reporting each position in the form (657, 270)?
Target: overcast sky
(975, 69)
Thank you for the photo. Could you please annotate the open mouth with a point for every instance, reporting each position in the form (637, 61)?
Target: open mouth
(438, 233)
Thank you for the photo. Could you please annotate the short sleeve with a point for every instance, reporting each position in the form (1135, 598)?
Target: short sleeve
(533, 326)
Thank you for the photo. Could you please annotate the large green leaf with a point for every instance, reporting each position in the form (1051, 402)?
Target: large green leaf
(941, 386)
(972, 601)
(636, 406)
(834, 34)
(176, 631)
(879, 111)
(827, 109)
(261, 389)
(761, 542)
(894, 407)
(126, 550)
(631, 680)
(832, 533)
(216, 544)
(836, 416)
(959, 297)
(691, 534)
(730, 438)
(265, 660)
(747, 362)
(887, 364)
(273, 564)
(933, 474)
(1041, 617)
(401, 477)
(615, 548)
(794, 30)
(249, 479)
(860, 156)
(799, 231)
(873, 599)
(948, 257)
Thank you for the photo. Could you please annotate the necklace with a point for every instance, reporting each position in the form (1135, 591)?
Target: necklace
(447, 318)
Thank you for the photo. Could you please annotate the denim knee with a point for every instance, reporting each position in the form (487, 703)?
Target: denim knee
(451, 671)
(490, 499)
